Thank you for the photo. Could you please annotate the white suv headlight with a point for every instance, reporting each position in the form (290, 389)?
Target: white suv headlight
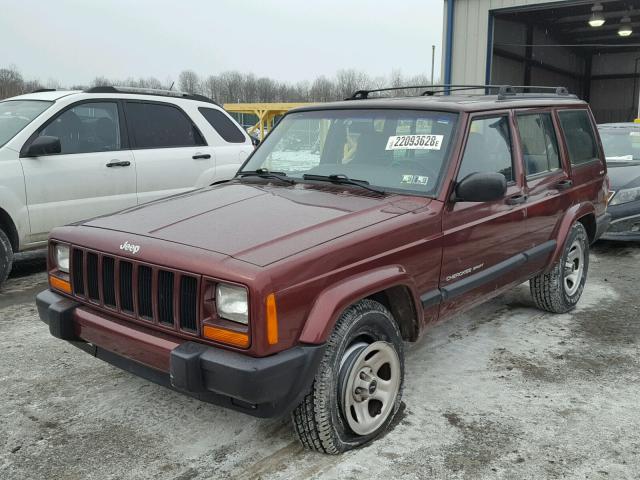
(62, 258)
(625, 196)
(232, 303)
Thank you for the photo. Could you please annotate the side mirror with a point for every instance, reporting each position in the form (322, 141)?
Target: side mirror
(481, 187)
(44, 145)
(255, 141)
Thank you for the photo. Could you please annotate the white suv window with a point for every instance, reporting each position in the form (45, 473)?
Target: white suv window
(87, 127)
(161, 126)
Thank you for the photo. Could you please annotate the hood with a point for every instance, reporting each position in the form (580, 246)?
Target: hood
(623, 176)
(259, 224)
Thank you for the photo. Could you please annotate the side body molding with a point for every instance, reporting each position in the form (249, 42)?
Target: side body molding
(455, 289)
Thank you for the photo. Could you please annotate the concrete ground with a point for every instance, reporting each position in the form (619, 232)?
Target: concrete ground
(505, 391)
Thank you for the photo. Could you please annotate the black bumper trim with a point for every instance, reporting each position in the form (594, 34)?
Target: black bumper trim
(263, 387)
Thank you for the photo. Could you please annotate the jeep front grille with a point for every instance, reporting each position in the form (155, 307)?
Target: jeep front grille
(137, 290)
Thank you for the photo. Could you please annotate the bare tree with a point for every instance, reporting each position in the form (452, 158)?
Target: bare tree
(11, 82)
(212, 88)
(189, 82)
(349, 81)
(322, 90)
(232, 83)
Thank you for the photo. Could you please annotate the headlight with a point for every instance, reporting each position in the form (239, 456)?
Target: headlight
(232, 303)
(62, 258)
(625, 196)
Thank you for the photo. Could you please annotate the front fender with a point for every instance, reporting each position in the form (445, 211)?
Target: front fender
(332, 301)
(571, 216)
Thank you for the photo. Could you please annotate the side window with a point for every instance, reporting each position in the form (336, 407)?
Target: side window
(161, 126)
(539, 143)
(86, 128)
(223, 125)
(579, 136)
(488, 148)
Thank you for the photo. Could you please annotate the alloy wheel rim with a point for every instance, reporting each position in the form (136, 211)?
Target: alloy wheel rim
(372, 385)
(573, 268)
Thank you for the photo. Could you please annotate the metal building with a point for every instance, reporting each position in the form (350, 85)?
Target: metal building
(592, 47)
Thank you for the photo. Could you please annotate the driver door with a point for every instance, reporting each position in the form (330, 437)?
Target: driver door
(94, 174)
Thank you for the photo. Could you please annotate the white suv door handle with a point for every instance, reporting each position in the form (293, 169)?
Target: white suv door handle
(117, 163)
(201, 156)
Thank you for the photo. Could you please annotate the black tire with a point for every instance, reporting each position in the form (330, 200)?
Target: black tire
(6, 257)
(548, 289)
(319, 420)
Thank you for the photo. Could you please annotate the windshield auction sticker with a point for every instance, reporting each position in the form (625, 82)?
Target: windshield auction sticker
(415, 142)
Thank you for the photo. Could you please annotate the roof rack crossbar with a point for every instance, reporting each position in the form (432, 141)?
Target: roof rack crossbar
(150, 91)
(502, 91)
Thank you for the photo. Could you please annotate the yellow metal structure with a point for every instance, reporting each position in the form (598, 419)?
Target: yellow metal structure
(266, 113)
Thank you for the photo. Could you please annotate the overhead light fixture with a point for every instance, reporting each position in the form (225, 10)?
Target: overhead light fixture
(625, 27)
(597, 18)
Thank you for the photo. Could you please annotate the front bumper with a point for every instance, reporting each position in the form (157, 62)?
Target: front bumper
(262, 387)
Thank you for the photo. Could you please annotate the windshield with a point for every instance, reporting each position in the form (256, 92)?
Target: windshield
(621, 144)
(397, 150)
(17, 114)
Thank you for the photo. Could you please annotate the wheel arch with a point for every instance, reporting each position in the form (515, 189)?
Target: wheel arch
(583, 213)
(390, 286)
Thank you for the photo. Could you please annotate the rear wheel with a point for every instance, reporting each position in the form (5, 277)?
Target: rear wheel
(6, 257)
(559, 290)
(358, 386)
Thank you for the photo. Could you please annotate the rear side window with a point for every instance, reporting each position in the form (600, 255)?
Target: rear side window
(221, 124)
(488, 148)
(86, 128)
(539, 143)
(578, 134)
(161, 126)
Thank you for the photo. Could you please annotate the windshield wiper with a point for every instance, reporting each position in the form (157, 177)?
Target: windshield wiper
(342, 180)
(264, 173)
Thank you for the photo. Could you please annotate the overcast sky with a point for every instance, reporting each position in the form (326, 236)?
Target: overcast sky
(289, 40)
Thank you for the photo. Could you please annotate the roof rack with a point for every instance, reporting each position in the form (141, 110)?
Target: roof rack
(503, 91)
(150, 91)
(42, 90)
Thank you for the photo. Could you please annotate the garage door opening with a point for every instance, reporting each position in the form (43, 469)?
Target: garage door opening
(557, 45)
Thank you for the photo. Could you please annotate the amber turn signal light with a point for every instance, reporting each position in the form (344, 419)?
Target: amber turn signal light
(272, 320)
(223, 335)
(59, 284)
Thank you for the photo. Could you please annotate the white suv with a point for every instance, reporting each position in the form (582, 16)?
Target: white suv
(70, 155)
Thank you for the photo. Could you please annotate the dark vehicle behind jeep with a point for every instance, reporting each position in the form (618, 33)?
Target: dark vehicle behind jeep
(621, 142)
(353, 227)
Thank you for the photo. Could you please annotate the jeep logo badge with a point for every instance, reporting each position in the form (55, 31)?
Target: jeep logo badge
(128, 247)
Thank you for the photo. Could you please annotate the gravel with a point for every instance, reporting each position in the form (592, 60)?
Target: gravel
(504, 391)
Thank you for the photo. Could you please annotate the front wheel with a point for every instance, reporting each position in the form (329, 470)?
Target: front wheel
(559, 290)
(358, 387)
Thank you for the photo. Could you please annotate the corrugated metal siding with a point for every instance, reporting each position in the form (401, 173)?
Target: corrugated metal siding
(470, 31)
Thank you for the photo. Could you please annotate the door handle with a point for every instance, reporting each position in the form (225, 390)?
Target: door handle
(116, 163)
(564, 184)
(516, 199)
(201, 156)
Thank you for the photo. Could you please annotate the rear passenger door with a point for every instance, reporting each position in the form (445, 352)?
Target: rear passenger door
(483, 239)
(547, 180)
(233, 145)
(170, 152)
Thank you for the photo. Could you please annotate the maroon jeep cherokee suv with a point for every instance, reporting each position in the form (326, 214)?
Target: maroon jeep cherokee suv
(353, 227)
